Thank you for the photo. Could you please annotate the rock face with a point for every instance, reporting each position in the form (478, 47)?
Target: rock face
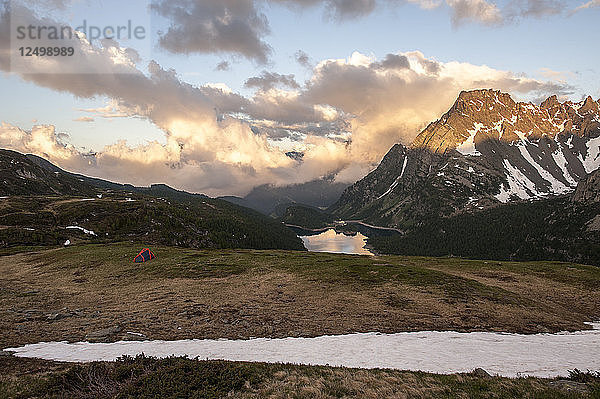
(588, 190)
(486, 150)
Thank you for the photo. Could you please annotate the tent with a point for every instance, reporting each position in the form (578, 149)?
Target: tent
(144, 256)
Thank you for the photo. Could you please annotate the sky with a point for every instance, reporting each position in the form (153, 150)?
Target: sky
(216, 92)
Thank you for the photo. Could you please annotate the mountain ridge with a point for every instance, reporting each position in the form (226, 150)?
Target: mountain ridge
(43, 205)
(487, 150)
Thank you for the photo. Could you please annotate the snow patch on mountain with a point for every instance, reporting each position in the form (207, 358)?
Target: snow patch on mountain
(557, 186)
(85, 231)
(518, 184)
(395, 183)
(561, 161)
(592, 159)
(468, 146)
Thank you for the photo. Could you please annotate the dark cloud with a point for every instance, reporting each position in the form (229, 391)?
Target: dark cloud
(269, 80)
(345, 9)
(223, 66)
(393, 61)
(214, 26)
(336, 9)
(303, 59)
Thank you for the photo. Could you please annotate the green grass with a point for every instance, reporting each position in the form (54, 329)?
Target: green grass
(334, 269)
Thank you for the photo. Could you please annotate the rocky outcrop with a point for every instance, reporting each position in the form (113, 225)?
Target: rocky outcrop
(481, 115)
(588, 190)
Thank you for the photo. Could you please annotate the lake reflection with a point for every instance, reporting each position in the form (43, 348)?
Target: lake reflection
(330, 241)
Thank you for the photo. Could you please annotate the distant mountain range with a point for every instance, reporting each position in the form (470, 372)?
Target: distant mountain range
(44, 205)
(487, 150)
(274, 200)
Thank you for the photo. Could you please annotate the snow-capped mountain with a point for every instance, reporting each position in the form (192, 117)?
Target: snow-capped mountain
(486, 150)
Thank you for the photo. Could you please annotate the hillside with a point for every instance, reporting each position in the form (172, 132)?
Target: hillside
(19, 175)
(553, 229)
(588, 190)
(487, 150)
(43, 205)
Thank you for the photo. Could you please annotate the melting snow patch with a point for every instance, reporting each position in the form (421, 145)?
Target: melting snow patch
(395, 183)
(561, 161)
(518, 184)
(468, 146)
(557, 186)
(89, 232)
(592, 158)
(546, 355)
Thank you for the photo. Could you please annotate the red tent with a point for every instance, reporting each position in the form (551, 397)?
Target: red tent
(144, 256)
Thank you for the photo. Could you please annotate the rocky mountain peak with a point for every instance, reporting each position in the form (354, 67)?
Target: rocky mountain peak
(589, 105)
(486, 150)
(550, 103)
(490, 115)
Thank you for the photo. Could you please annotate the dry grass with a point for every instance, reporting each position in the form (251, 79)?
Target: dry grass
(178, 378)
(240, 294)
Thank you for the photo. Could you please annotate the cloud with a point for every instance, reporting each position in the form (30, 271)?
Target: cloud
(223, 66)
(214, 26)
(487, 12)
(393, 61)
(110, 111)
(344, 118)
(536, 8)
(589, 4)
(336, 9)
(84, 119)
(303, 59)
(385, 105)
(42, 140)
(480, 11)
(343, 9)
(269, 80)
(558, 76)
